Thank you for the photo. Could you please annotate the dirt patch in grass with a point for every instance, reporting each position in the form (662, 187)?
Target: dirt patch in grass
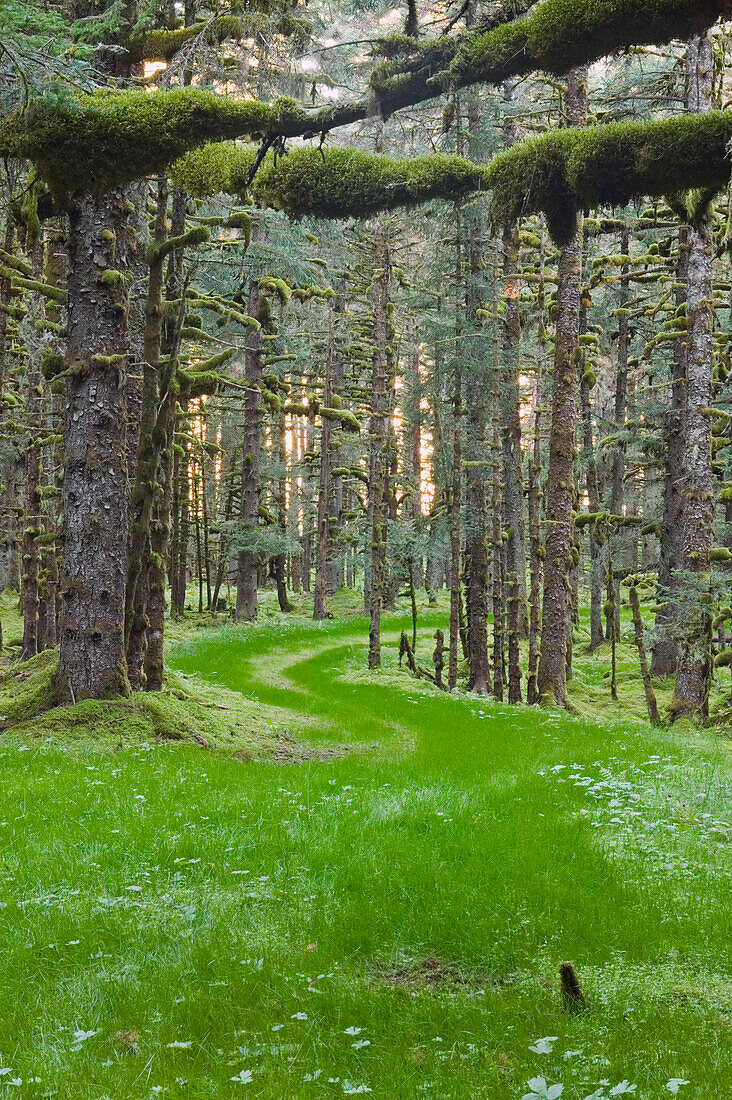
(289, 749)
(431, 973)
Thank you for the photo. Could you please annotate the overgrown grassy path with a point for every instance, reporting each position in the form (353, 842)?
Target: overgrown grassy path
(180, 924)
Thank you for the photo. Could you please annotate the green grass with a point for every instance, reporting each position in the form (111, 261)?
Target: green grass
(204, 917)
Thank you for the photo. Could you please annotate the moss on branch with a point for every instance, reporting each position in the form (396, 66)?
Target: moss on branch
(329, 183)
(102, 140)
(560, 34)
(572, 170)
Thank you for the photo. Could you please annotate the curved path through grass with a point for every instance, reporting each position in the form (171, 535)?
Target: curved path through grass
(180, 924)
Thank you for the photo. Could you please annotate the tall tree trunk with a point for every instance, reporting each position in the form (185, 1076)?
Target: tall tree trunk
(597, 529)
(95, 507)
(320, 603)
(555, 619)
(457, 468)
(497, 593)
(33, 518)
(246, 581)
(693, 676)
(532, 694)
(665, 653)
(378, 473)
(513, 490)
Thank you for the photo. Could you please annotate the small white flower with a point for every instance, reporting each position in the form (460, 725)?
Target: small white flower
(545, 1045)
(675, 1084)
(299, 1016)
(243, 1077)
(82, 1036)
(350, 1089)
(360, 1043)
(623, 1089)
(352, 1031)
(181, 1045)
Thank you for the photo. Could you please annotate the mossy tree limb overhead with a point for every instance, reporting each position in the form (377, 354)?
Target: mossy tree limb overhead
(553, 37)
(98, 141)
(569, 171)
(329, 183)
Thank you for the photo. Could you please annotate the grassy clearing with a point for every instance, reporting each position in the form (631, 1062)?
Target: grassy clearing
(178, 923)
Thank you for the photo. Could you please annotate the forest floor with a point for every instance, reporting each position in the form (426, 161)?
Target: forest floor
(369, 887)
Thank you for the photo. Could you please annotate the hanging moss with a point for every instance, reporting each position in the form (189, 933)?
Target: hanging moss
(329, 183)
(572, 170)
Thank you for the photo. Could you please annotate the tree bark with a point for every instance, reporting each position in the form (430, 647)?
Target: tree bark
(552, 679)
(694, 672)
(378, 471)
(93, 567)
(246, 581)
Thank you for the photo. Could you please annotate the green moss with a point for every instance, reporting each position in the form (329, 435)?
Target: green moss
(329, 183)
(560, 34)
(96, 141)
(572, 170)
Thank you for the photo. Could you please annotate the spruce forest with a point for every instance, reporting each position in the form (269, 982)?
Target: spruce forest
(365, 549)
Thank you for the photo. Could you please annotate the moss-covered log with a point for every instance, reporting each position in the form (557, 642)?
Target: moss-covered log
(568, 171)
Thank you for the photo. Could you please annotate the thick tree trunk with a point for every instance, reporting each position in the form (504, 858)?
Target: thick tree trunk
(556, 611)
(94, 566)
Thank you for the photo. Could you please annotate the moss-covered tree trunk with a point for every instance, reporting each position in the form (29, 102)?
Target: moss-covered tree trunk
(11, 451)
(534, 486)
(145, 485)
(95, 497)
(456, 479)
(552, 678)
(497, 559)
(335, 572)
(693, 676)
(597, 531)
(29, 580)
(320, 602)
(476, 447)
(179, 533)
